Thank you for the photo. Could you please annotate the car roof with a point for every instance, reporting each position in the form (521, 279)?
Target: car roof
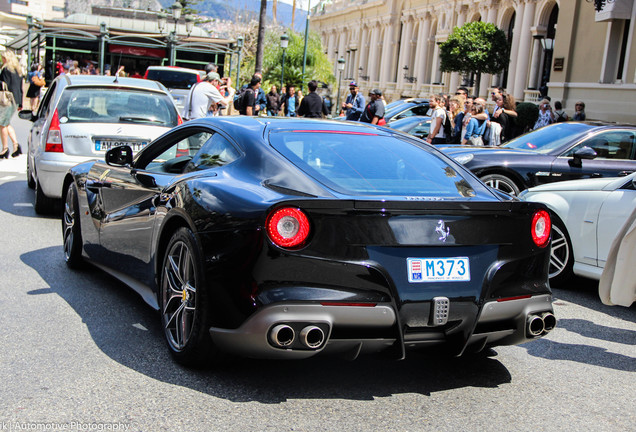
(103, 80)
(176, 68)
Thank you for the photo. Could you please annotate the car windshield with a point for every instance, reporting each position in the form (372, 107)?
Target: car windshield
(174, 79)
(116, 105)
(548, 138)
(356, 163)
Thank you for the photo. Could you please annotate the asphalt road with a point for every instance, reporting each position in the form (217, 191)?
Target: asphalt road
(80, 351)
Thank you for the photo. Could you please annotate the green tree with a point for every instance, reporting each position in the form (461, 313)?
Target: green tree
(318, 65)
(475, 47)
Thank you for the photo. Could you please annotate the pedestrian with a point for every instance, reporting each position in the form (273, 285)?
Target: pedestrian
(289, 102)
(559, 113)
(227, 91)
(273, 101)
(579, 111)
(312, 105)
(546, 116)
(475, 129)
(260, 104)
(438, 116)
(10, 75)
(204, 95)
(354, 104)
(374, 111)
(36, 82)
(328, 104)
(250, 97)
(455, 111)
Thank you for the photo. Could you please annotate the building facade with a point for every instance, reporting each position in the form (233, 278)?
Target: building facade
(565, 47)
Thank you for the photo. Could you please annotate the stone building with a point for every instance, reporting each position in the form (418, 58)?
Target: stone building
(578, 53)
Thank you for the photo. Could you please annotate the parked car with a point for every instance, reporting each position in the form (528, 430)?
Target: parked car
(405, 108)
(417, 126)
(557, 152)
(178, 81)
(586, 216)
(82, 116)
(287, 238)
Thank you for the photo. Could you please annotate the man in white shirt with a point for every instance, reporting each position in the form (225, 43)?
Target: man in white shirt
(204, 95)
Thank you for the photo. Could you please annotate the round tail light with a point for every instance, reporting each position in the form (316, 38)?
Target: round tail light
(288, 227)
(540, 229)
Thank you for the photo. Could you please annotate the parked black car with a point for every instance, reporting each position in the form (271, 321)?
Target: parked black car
(561, 151)
(285, 238)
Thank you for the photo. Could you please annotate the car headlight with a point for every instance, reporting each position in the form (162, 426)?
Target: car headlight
(464, 159)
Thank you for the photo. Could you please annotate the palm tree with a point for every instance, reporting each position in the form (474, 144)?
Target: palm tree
(293, 14)
(274, 3)
(261, 37)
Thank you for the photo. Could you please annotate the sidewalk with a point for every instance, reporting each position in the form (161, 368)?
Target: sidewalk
(14, 165)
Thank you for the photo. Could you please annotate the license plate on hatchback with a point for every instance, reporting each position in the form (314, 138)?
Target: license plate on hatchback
(105, 145)
(455, 269)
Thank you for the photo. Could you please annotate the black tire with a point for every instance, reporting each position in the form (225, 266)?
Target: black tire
(43, 205)
(29, 175)
(502, 183)
(561, 256)
(71, 232)
(184, 299)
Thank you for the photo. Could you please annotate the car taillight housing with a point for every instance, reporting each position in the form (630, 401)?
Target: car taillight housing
(54, 136)
(540, 229)
(288, 227)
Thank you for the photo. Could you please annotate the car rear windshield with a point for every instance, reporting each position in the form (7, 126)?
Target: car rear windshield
(372, 164)
(548, 138)
(174, 79)
(116, 105)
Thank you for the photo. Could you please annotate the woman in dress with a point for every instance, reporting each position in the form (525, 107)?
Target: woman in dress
(33, 92)
(10, 74)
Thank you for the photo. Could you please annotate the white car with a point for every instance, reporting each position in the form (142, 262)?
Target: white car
(587, 216)
(83, 116)
(178, 81)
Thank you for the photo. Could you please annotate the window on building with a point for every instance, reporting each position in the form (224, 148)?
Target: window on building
(19, 2)
(57, 8)
(616, 56)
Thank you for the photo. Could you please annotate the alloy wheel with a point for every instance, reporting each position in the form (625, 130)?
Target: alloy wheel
(179, 295)
(560, 252)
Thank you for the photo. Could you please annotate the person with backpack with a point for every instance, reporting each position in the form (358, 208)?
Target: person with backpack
(436, 134)
(374, 111)
(260, 106)
(246, 102)
(559, 113)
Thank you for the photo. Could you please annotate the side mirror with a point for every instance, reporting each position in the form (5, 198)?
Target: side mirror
(119, 156)
(584, 152)
(27, 115)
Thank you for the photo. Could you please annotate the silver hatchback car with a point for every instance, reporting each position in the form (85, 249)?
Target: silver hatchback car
(83, 116)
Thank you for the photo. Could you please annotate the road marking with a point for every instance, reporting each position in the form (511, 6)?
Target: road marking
(8, 177)
(23, 205)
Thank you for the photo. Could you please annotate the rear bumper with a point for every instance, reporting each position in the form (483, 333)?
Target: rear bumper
(51, 173)
(499, 323)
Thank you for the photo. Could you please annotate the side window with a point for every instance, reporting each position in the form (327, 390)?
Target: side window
(216, 152)
(421, 130)
(45, 106)
(610, 145)
(420, 110)
(174, 157)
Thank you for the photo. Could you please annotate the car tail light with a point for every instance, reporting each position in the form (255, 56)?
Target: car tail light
(179, 120)
(288, 227)
(54, 136)
(540, 228)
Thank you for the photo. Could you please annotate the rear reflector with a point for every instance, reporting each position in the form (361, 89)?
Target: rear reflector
(348, 304)
(521, 297)
(54, 136)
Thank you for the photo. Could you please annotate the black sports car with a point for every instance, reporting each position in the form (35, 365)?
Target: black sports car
(284, 238)
(560, 151)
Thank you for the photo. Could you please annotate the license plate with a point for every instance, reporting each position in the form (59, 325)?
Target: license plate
(105, 145)
(421, 270)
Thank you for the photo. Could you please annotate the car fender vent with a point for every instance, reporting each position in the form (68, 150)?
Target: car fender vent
(285, 190)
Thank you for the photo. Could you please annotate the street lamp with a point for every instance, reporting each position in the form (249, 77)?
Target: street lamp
(172, 38)
(341, 66)
(239, 47)
(284, 41)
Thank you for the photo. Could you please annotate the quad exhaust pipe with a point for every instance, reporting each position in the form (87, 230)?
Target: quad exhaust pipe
(539, 325)
(283, 336)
